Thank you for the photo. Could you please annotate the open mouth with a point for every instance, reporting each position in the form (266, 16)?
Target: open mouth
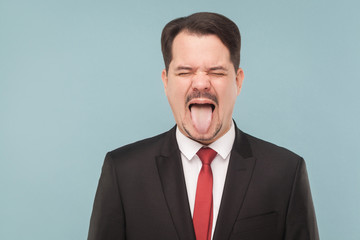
(202, 105)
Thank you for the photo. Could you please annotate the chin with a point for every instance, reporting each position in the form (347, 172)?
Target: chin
(207, 138)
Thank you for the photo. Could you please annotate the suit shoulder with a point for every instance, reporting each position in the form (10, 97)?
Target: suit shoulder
(145, 149)
(140, 147)
(262, 148)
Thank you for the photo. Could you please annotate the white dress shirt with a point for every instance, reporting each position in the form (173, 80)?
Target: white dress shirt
(192, 166)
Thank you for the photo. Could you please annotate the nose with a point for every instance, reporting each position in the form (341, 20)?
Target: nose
(201, 82)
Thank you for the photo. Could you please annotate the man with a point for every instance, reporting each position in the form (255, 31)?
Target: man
(203, 179)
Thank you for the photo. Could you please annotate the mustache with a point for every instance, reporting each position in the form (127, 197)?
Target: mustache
(198, 94)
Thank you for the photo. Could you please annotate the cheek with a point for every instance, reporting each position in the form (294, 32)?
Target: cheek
(233, 89)
(178, 89)
(176, 95)
(226, 92)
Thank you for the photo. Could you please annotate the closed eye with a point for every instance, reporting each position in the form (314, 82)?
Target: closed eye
(217, 73)
(183, 74)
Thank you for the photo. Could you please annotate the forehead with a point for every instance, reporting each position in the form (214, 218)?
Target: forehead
(195, 49)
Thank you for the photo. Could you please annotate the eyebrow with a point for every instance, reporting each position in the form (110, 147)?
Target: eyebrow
(217, 68)
(179, 68)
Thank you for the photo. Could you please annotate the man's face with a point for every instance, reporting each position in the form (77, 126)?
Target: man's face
(201, 86)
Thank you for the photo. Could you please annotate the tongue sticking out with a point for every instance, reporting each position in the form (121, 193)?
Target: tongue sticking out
(201, 115)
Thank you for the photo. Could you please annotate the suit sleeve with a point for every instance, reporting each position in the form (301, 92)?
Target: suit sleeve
(107, 219)
(301, 220)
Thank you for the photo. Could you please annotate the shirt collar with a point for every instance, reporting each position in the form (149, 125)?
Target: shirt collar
(222, 146)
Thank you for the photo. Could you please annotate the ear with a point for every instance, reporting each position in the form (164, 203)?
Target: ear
(239, 79)
(164, 78)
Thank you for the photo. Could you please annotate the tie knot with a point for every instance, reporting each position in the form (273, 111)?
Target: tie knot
(206, 155)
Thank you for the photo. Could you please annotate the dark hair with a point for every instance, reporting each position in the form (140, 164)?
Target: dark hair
(203, 23)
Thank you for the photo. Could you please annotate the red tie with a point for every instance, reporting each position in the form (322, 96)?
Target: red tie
(203, 210)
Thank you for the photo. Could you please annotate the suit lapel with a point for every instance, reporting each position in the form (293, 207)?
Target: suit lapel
(174, 188)
(238, 177)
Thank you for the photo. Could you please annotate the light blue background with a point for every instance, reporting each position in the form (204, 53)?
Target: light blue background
(80, 78)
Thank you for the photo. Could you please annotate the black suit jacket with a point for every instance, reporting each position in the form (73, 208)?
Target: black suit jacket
(142, 194)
